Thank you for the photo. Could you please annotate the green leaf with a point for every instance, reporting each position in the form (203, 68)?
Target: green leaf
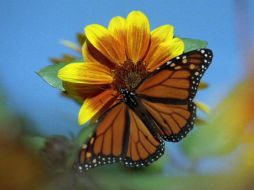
(49, 74)
(192, 44)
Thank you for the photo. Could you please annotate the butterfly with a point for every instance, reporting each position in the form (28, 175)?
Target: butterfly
(159, 109)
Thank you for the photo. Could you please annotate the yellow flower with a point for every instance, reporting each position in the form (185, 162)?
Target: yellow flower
(116, 57)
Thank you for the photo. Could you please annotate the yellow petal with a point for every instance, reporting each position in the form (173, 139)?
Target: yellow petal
(94, 105)
(203, 107)
(176, 47)
(158, 36)
(138, 35)
(86, 73)
(81, 91)
(165, 52)
(91, 54)
(104, 42)
(117, 27)
(163, 33)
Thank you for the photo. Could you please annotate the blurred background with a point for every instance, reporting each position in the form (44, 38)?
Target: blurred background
(38, 125)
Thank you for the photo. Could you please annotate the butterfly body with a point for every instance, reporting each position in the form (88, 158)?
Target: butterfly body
(129, 98)
(159, 109)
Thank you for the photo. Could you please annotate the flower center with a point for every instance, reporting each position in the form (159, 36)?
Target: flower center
(129, 75)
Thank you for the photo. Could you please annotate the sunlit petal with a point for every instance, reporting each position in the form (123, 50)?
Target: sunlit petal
(117, 27)
(165, 52)
(81, 91)
(94, 105)
(86, 73)
(163, 33)
(104, 42)
(138, 35)
(91, 54)
(158, 36)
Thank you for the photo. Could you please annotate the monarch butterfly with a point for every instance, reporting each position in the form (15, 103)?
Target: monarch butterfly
(159, 109)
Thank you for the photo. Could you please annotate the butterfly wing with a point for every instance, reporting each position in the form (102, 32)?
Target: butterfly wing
(143, 147)
(119, 136)
(167, 93)
(106, 144)
(173, 121)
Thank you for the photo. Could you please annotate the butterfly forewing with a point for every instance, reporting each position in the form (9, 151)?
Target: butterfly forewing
(106, 144)
(177, 79)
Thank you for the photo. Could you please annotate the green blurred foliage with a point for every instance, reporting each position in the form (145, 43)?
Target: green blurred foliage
(224, 130)
(85, 133)
(20, 168)
(146, 181)
(34, 143)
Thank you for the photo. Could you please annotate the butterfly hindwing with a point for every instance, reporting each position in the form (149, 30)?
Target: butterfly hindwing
(143, 147)
(173, 121)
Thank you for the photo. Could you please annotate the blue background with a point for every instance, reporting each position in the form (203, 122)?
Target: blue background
(31, 30)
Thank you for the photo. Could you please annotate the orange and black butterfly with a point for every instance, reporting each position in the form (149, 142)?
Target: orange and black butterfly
(159, 109)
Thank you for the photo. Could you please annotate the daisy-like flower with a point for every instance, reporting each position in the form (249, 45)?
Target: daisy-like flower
(117, 57)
